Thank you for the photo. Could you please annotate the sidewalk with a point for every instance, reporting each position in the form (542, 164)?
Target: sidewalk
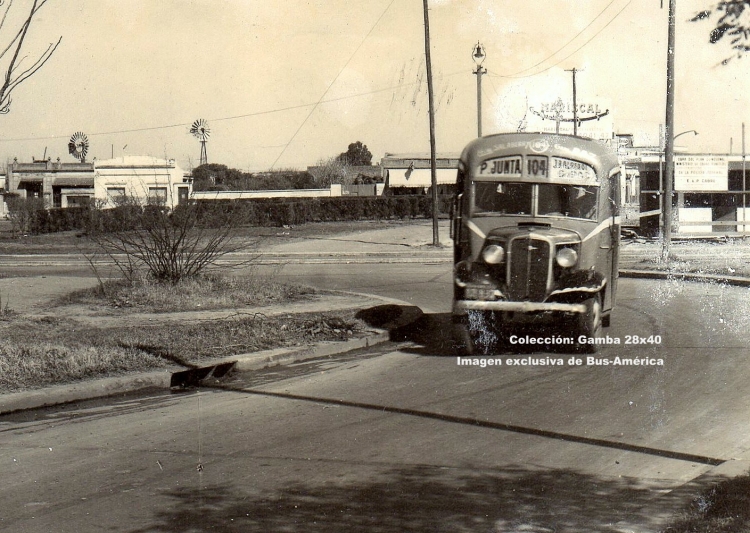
(397, 243)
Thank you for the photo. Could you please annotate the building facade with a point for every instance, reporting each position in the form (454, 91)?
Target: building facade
(710, 191)
(143, 179)
(413, 173)
(109, 182)
(58, 184)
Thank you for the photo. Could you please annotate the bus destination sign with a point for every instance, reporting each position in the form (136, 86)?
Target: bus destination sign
(559, 170)
(507, 167)
(570, 171)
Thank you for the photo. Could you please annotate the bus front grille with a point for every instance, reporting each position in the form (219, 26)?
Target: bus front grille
(529, 266)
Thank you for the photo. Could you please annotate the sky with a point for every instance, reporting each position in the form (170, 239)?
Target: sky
(288, 84)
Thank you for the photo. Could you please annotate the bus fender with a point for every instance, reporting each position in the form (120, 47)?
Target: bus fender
(581, 284)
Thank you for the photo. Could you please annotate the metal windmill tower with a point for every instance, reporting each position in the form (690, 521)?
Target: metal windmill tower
(202, 132)
(78, 146)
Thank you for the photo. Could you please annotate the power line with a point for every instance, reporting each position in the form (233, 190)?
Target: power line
(566, 44)
(233, 117)
(332, 82)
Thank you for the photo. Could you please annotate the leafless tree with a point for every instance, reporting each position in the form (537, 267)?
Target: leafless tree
(11, 55)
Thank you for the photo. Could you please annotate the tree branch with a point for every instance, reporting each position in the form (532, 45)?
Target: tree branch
(11, 80)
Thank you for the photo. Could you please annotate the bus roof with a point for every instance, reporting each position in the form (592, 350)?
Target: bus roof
(590, 151)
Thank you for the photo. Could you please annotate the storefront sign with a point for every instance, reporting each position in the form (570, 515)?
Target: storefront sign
(562, 107)
(701, 173)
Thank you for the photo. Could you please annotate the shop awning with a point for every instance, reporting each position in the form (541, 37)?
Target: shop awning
(70, 181)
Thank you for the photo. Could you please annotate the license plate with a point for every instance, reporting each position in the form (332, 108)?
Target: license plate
(479, 293)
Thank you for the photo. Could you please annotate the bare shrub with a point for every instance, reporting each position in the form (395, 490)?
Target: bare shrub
(330, 171)
(166, 245)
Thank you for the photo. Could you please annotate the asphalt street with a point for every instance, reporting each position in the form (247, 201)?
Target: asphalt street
(401, 437)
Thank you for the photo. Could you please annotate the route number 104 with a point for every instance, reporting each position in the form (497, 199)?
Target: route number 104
(536, 166)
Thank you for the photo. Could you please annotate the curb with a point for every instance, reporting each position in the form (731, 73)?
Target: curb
(165, 378)
(681, 276)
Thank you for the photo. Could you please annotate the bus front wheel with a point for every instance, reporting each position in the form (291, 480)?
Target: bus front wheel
(590, 324)
(463, 343)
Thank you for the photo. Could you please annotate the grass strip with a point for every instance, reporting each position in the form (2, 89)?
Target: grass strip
(198, 294)
(43, 352)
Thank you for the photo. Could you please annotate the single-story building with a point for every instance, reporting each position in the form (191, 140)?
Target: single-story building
(144, 179)
(59, 184)
(411, 173)
(711, 195)
(335, 190)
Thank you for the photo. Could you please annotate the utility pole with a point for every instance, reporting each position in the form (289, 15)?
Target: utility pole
(575, 103)
(669, 136)
(479, 57)
(431, 107)
(744, 181)
(661, 176)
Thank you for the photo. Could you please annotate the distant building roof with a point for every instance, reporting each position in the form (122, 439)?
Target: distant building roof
(48, 166)
(421, 155)
(419, 160)
(138, 161)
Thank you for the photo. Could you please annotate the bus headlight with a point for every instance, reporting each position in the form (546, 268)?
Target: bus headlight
(493, 254)
(462, 273)
(566, 257)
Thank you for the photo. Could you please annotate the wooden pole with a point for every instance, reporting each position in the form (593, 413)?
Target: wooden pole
(430, 99)
(744, 181)
(669, 136)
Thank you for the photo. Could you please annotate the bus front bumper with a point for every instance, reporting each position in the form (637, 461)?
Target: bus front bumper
(461, 307)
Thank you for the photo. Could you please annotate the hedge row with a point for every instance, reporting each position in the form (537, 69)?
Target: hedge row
(85, 219)
(260, 212)
(53, 220)
(296, 211)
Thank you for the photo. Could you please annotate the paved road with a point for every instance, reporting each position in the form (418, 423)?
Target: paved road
(404, 439)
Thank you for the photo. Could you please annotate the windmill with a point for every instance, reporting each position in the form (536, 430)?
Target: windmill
(78, 146)
(201, 131)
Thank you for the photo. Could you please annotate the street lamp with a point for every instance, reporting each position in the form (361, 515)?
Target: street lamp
(683, 133)
(479, 56)
(667, 201)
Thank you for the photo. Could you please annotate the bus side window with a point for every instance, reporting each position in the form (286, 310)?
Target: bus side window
(460, 180)
(455, 226)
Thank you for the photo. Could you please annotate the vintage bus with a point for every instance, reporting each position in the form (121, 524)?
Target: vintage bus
(536, 235)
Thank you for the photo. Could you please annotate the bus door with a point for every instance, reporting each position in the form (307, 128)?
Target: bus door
(607, 235)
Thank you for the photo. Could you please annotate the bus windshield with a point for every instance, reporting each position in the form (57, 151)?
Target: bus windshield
(567, 200)
(511, 198)
(502, 198)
